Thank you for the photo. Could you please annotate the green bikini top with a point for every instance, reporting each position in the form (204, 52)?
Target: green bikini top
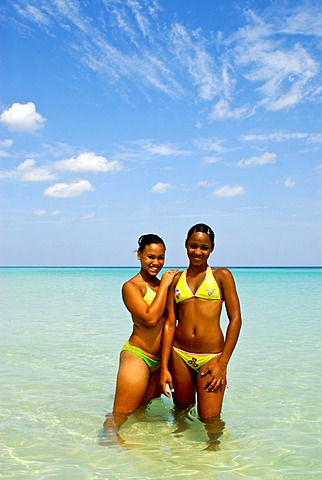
(208, 290)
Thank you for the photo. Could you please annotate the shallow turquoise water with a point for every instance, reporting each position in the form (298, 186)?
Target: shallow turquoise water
(61, 332)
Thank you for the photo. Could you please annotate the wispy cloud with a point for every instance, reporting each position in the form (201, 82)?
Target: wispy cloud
(162, 187)
(89, 216)
(211, 159)
(190, 51)
(289, 182)
(205, 183)
(222, 111)
(41, 212)
(228, 191)
(163, 149)
(258, 161)
(281, 71)
(210, 144)
(6, 143)
(131, 44)
(304, 21)
(27, 171)
(282, 136)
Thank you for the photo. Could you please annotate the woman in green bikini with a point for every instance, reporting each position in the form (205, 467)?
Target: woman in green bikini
(145, 297)
(195, 353)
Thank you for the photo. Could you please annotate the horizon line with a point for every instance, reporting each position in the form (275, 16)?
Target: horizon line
(167, 266)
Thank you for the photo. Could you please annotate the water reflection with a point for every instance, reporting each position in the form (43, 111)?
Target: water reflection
(156, 420)
(185, 418)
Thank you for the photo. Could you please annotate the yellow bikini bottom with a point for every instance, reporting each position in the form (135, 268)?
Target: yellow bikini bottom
(195, 360)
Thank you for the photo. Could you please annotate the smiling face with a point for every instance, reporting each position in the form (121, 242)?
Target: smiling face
(199, 247)
(152, 258)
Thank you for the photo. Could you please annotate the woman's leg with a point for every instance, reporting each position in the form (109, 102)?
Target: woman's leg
(131, 385)
(183, 378)
(209, 409)
(209, 403)
(153, 390)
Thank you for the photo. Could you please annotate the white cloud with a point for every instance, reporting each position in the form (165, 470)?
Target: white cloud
(304, 21)
(163, 149)
(6, 143)
(27, 172)
(41, 212)
(282, 136)
(161, 187)
(148, 51)
(137, 62)
(210, 144)
(227, 191)
(210, 159)
(205, 183)
(88, 162)
(289, 183)
(4, 154)
(190, 51)
(68, 190)
(285, 101)
(266, 158)
(221, 111)
(33, 14)
(7, 173)
(282, 72)
(89, 216)
(22, 117)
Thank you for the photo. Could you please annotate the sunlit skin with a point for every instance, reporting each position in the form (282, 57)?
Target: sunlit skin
(194, 326)
(135, 384)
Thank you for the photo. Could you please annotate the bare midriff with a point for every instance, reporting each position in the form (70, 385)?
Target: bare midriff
(198, 329)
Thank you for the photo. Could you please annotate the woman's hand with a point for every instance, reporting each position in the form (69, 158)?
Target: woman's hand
(166, 379)
(168, 276)
(218, 375)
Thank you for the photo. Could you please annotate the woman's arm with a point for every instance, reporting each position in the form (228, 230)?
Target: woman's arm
(148, 315)
(167, 341)
(217, 369)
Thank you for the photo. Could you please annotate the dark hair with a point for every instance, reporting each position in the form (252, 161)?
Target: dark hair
(149, 238)
(203, 228)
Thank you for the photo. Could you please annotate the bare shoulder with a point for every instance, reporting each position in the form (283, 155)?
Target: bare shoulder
(134, 283)
(222, 274)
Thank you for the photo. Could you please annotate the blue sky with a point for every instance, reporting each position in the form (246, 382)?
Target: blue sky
(124, 117)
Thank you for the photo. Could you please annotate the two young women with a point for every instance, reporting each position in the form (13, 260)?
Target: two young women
(176, 325)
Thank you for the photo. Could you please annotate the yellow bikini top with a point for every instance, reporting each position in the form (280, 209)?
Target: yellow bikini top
(208, 290)
(149, 294)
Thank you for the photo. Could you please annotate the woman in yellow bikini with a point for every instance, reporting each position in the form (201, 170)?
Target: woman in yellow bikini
(145, 297)
(195, 353)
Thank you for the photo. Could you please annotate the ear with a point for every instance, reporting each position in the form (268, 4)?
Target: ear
(186, 243)
(138, 254)
(213, 248)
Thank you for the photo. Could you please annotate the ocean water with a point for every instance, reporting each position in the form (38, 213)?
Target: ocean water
(61, 332)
